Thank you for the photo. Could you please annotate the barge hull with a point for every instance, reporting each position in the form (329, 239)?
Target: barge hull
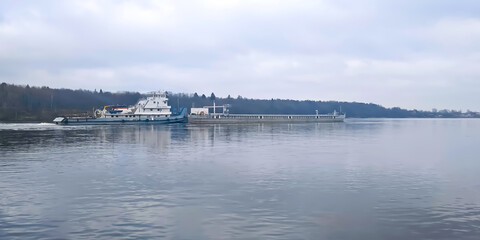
(246, 118)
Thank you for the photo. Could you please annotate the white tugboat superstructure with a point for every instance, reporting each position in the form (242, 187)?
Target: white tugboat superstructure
(154, 105)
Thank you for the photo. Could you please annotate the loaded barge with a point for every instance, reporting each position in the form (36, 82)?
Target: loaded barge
(202, 115)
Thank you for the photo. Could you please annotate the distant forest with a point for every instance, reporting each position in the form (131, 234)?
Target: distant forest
(33, 104)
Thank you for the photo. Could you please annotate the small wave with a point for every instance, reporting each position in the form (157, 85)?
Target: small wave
(46, 124)
(26, 126)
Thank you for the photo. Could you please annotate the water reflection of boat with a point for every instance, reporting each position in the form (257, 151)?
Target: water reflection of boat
(153, 109)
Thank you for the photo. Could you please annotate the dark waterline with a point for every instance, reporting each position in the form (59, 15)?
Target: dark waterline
(362, 179)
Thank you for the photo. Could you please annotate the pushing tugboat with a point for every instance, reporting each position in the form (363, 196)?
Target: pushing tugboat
(151, 110)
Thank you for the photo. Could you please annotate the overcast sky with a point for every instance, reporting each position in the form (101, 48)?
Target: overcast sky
(420, 54)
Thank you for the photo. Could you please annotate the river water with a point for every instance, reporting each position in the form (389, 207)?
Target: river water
(362, 179)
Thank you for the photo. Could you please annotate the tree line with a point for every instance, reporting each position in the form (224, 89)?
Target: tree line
(25, 103)
(287, 106)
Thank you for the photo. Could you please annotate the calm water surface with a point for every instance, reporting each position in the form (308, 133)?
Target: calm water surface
(362, 179)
